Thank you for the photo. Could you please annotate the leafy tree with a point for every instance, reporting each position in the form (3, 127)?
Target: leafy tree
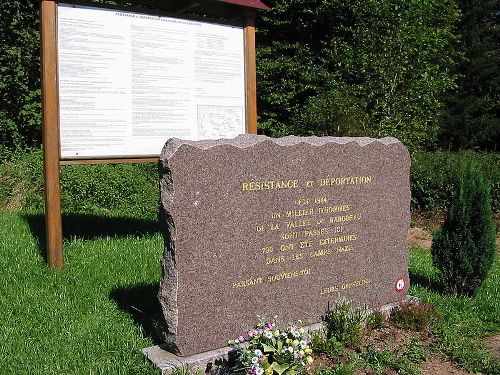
(464, 249)
(20, 117)
(473, 111)
(363, 67)
(336, 67)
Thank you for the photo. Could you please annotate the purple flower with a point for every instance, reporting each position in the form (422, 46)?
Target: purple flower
(241, 339)
(269, 325)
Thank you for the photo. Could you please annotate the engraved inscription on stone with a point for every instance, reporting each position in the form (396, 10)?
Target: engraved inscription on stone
(284, 227)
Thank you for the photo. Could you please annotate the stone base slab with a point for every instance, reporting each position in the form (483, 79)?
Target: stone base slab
(166, 362)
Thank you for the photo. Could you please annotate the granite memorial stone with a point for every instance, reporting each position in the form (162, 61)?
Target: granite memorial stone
(261, 226)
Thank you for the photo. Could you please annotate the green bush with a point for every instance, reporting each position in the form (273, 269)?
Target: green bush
(124, 189)
(321, 343)
(414, 316)
(371, 68)
(464, 249)
(432, 174)
(346, 324)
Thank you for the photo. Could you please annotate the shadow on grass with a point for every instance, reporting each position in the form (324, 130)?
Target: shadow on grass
(90, 227)
(141, 302)
(425, 281)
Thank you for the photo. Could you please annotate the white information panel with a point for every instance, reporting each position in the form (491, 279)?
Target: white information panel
(130, 81)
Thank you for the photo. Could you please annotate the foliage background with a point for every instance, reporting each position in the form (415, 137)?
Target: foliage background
(425, 71)
(372, 68)
(20, 116)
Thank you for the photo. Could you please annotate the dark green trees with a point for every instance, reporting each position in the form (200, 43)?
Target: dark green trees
(472, 117)
(464, 249)
(20, 117)
(372, 68)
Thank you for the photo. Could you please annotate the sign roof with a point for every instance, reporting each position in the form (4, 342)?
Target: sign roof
(248, 3)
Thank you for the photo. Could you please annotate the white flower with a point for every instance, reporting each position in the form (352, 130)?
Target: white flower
(295, 333)
(290, 349)
(259, 370)
(268, 334)
(303, 344)
(258, 352)
(255, 360)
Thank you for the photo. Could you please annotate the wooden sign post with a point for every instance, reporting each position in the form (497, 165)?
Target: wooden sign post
(62, 128)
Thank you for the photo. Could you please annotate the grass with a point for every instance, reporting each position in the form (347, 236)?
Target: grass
(458, 323)
(464, 320)
(94, 316)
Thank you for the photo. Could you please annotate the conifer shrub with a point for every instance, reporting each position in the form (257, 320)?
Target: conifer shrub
(464, 248)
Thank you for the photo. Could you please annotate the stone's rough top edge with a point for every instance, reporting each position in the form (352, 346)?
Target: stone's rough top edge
(249, 140)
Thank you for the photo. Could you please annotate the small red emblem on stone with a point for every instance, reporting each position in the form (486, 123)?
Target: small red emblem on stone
(400, 284)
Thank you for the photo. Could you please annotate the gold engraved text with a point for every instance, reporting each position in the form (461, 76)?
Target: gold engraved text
(337, 239)
(286, 247)
(304, 244)
(247, 282)
(356, 283)
(330, 209)
(298, 223)
(352, 180)
(328, 290)
(298, 213)
(315, 232)
(320, 253)
(344, 218)
(288, 275)
(269, 185)
(289, 235)
(275, 260)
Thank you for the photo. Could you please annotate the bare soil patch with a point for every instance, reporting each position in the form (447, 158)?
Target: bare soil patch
(437, 364)
(428, 220)
(396, 340)
(423, 223)
(493, 343)
(419, 237)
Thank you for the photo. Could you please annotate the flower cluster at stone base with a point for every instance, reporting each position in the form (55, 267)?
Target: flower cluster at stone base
(266, 349)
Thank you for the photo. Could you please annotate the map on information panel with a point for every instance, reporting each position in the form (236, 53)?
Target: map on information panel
(219, 121)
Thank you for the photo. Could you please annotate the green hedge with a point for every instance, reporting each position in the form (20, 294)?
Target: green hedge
(133, 189)
(432, 174)
(124, 189)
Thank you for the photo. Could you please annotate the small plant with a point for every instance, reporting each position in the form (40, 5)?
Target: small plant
(340, 369)
(321, 343)
(376, 320)
(464, 249)
(346, 324)
(414, 351)
(380, 361)
(267, 350)
(414, 316)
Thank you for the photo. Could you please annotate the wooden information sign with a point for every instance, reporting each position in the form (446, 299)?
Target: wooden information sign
(116, 84)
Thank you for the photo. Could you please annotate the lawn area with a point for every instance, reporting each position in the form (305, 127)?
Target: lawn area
(94, 316)
(89, 317)
(464, 320)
